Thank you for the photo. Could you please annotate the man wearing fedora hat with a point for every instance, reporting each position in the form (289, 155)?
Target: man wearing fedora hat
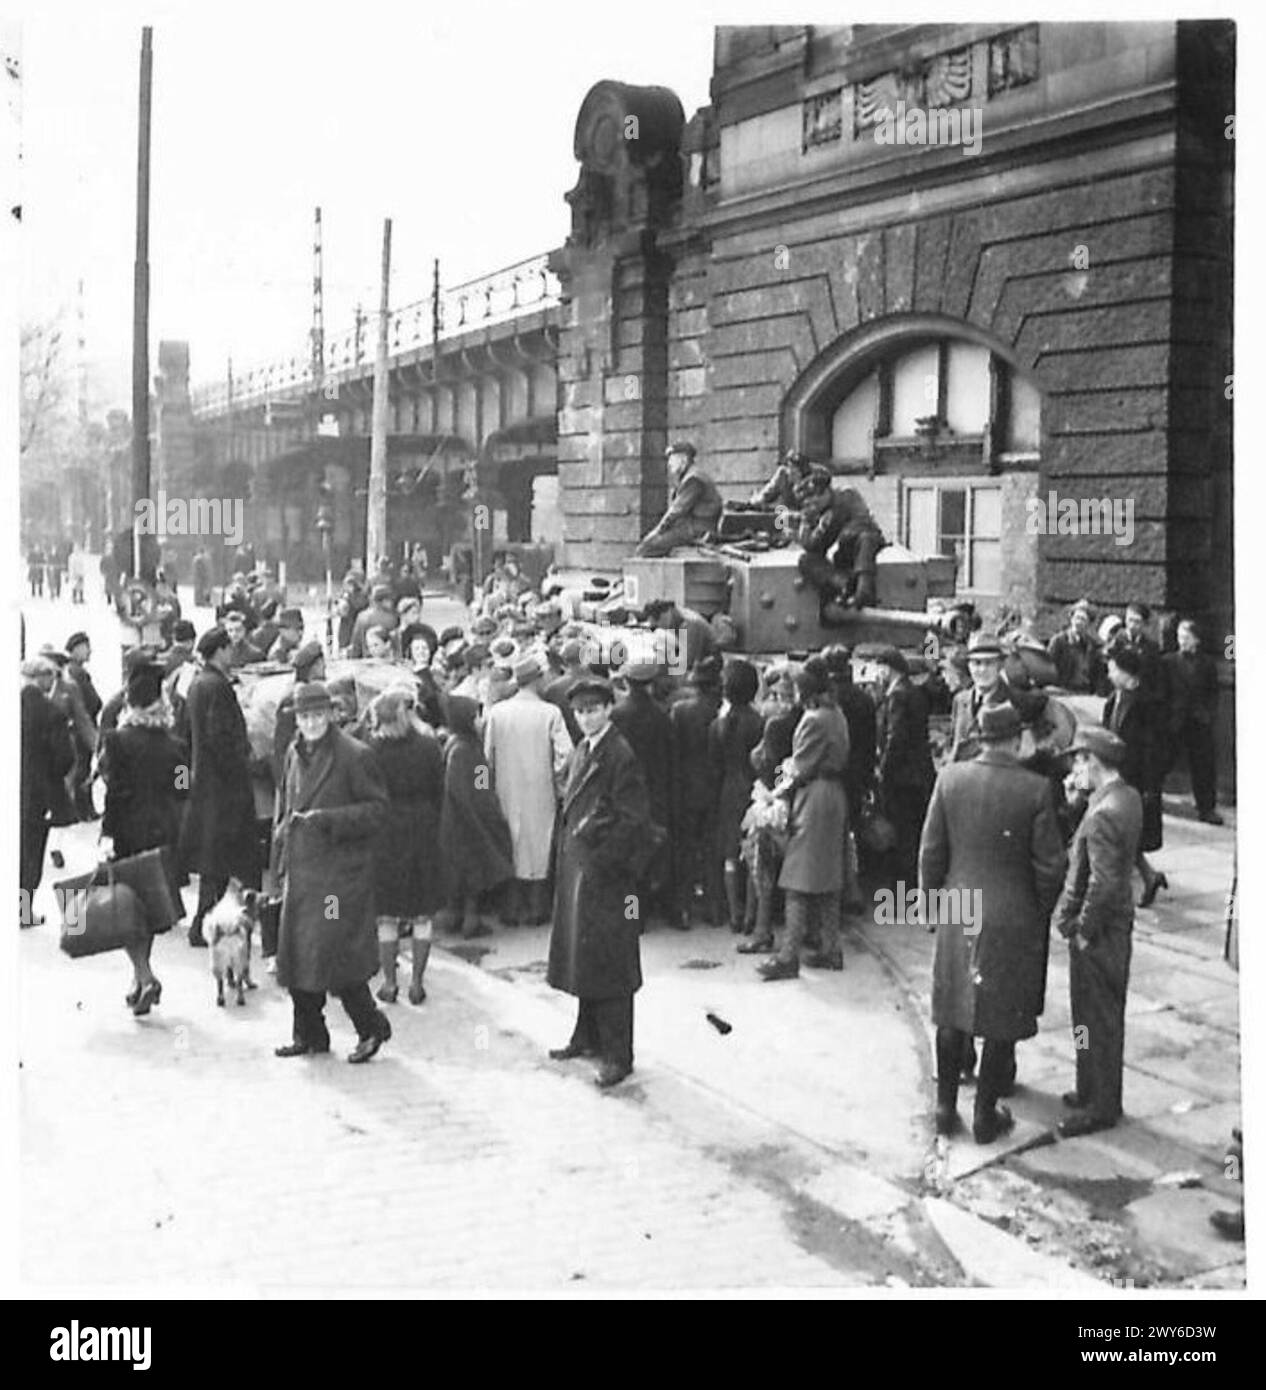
(990, 844)
(218, 839)
(1095, 913)
(694, 509)
(604, 837)
(985, 658)
(527, 746)
(330, 806)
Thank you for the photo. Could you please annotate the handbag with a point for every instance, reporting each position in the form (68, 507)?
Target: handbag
(97, 916)
(874, 830)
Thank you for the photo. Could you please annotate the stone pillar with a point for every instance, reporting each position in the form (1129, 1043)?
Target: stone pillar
(613, 358)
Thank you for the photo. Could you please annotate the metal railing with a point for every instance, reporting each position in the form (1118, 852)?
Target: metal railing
(492, 299)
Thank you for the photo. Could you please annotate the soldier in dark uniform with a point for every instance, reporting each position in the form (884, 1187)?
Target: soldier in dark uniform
(839, 519)
(1096, 913)
(1192, 679)
(693, 511)
(780, 490)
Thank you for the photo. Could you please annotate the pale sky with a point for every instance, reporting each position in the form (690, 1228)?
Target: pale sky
(458, 126)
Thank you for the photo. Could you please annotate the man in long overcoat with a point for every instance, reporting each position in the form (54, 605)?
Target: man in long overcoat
(527, 746)
(904, 769)
(331, 806)
(47, 756)
(602, 832)
(1096, 913)
(991, 840)
(648, 731)
(217, 840)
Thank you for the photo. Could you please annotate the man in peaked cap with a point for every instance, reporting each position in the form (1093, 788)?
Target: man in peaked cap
(604, 835)
(1095, 913)
(693, 510)
(991, 862)
(527, 746)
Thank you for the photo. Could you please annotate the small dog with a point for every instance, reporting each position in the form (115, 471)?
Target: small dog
(228, 927)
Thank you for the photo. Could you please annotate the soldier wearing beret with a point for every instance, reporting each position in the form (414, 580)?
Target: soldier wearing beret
(1095, 913)
(693, 511)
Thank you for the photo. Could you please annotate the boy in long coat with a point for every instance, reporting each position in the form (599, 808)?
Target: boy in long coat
(1096, 913)
(604, 825)
(331, 806)
(217, 840)
(992, 839)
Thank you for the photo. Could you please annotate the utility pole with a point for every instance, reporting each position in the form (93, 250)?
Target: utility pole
(376, 529)
(140, 303)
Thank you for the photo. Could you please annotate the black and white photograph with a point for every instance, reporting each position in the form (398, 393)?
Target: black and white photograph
(627, 641)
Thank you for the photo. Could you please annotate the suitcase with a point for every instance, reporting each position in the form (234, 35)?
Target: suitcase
(98, 916)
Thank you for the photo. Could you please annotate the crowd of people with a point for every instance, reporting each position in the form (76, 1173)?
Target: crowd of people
(513, 779)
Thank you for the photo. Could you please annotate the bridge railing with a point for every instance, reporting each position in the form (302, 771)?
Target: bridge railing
(505, 294)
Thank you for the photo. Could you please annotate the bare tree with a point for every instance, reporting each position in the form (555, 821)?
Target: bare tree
(42, 383)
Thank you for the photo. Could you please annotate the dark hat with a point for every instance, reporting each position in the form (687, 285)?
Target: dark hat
(75, 639)
(418, 630)
(450, 634)
(144, 686)
(211, 641)
(1103, 743)
(892, 658)
(476, 654)
(591, 688)
(134, 658)
(838, 657)
(680, 447)
(984, 644)
(460, 713)
(312, 696)
(999, 722)
(641, 672)
(290, 617)
(305, 658)
(1127, 659)
(183, 631)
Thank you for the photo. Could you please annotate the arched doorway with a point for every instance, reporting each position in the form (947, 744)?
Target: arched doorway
(938, 427)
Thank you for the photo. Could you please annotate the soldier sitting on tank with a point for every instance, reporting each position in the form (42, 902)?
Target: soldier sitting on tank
(693, 511)
(840, 519)
(780, 490)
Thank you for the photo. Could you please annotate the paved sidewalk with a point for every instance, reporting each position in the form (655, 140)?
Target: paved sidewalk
(1158, 1174)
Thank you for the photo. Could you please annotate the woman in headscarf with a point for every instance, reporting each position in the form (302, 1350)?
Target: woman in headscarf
(408, 866)
(474, 838)
(141, 763)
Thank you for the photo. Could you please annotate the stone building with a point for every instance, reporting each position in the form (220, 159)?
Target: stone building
(971, 267)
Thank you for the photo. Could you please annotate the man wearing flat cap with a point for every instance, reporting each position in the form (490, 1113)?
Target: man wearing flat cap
(218, 838)
(1095, 913)
(330, 808)
(991, 863)
(604, 838)
(527, 746)
(693, 509)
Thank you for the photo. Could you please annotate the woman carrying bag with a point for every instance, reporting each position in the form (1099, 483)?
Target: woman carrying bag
(146, 777)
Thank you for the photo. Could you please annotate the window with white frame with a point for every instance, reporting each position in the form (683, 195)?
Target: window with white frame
(959, 517)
